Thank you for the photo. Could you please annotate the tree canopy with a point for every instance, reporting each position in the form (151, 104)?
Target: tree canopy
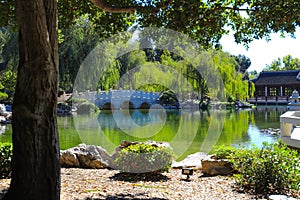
(285, 63)
(205, 21)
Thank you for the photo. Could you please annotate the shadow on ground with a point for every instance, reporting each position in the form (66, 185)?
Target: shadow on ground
(135, 177)
(125, 197)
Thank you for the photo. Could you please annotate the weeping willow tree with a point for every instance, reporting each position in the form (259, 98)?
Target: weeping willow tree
(235, 86)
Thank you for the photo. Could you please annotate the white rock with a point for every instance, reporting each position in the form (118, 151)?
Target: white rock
(280, 197)
(192, 161)
(86, 156)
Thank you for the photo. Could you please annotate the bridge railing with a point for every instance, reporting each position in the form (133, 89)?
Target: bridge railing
(127, 94)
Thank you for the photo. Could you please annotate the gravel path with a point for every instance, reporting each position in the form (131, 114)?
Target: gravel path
(89, 184)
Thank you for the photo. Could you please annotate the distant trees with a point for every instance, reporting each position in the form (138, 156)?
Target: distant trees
(252, 74)
(75, 43)
(286, 63)
(177, 73)
(243, 63)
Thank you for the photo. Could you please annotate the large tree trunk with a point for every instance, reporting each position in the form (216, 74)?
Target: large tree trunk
(36, 169)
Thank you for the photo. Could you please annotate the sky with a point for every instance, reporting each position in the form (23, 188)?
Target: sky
(262, 52)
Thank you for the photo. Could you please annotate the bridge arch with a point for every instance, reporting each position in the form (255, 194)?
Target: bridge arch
(108, 106)
(127, 105)
(145, 105)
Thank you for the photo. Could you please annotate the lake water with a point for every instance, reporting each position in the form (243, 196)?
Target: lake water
(187, 131)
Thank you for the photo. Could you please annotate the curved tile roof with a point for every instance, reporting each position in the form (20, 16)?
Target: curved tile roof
(276, 78)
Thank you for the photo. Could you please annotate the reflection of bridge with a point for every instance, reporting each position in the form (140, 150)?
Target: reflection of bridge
(130, 119)
(121, 99)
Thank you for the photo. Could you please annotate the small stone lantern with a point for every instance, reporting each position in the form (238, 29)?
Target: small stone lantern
(295, 96)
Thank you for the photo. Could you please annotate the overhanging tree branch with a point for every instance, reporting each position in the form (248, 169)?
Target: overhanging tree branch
(237, 9)
(130, 9)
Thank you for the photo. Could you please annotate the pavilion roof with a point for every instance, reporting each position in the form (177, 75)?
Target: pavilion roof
(277, 78)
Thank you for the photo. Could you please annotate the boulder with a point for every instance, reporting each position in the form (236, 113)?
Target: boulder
(68, 159)
(213, 167)
(86, 156)
(191, 161)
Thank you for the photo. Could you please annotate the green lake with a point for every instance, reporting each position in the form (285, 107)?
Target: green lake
(187, 131)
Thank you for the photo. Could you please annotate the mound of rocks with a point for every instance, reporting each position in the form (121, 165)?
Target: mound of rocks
(96, 157)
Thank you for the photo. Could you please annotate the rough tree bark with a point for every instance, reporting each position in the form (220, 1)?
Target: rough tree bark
(36, 169)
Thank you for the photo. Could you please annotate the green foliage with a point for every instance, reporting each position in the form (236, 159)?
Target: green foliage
(168, 97)
(9, 56)
(5, 160)
(8, 79)
(2, 94)
(235, 87)
(78, 40)
(142, 158)
(106, 22)
(224, 152)
(230, 99)
(205, 21)
(76, 101)
(272, 169)
(179, 74)
(243, 63)
(286, 63)
(87, 108)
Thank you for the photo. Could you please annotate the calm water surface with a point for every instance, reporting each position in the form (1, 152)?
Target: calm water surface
(187, 131)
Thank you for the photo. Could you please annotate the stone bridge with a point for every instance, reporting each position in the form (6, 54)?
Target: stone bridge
(121, 99)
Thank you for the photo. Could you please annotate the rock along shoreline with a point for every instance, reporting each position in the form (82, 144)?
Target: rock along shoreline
(96, 157)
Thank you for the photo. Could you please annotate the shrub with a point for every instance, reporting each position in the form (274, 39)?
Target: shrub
(225, 152)
(5, 160)
(76, 100)
(230, 99)
(84, 106)
(142, 158)
(87, 108)
(274, 168)
(168, 97)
